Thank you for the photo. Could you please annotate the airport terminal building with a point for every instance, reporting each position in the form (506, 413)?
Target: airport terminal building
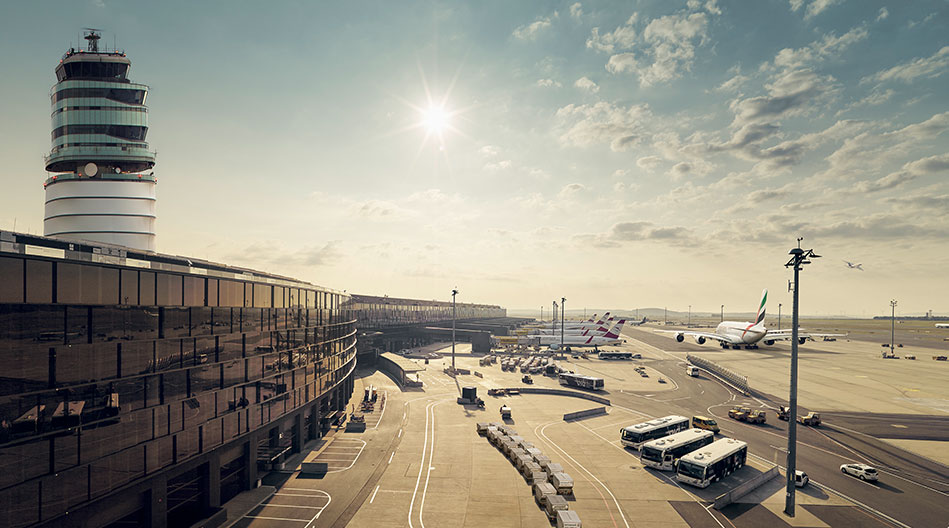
(140, 389)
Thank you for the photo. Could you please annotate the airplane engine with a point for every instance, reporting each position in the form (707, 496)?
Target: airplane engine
(769, 342)
(801, 340)
(680, 337)
(700, 340)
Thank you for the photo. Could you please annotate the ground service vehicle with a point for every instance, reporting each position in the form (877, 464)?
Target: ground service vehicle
(812, 419)
(636, 435)
(663, 453)
(692, 370)
(505, 412)
(568, 519)
(744, 414)
(704, 422)
(541, 489)
(604, 354)
(861, 471)
(800, 479)
(739, 413)
(583, 382)
(563, 483)
(554, 504)
(552, 468)
(527, 379)
(784, 413)
(712, 462)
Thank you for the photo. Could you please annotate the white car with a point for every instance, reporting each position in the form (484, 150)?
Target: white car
(861, 471)
(800, 479)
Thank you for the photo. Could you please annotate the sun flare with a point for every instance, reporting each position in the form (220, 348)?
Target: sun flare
(435, 119)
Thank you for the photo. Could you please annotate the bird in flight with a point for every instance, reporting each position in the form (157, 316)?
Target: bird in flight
(851, 265)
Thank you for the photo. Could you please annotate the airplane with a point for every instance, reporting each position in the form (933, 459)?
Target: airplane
(571, 325)
(851, 265)
(942, 325)
(611, 337)
(738, 334)
(597, 327)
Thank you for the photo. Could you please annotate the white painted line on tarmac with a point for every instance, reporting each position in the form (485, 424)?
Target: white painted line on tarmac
(418, 479)
(381, 414)
(317, 516)
(374, 494)
(276, 518)
(400, 433)
(390, 457)
(291, 506)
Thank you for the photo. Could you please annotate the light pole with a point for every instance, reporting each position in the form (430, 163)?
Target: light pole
(779, 316)
(723, 313)
(453, 293)
(690, 317)
(563, 302)
(892, 325)
(798, 260)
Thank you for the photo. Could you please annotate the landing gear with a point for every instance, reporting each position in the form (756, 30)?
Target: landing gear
(736, 347)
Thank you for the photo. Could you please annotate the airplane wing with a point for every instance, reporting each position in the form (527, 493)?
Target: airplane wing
(785, 335)
(706, 335)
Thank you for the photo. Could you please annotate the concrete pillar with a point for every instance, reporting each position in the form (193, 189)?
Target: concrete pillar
(214, 481)
(250, 462)
(297, 432)
(158, 498)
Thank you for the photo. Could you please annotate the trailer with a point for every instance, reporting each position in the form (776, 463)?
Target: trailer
(568, 519)
(563, 482)
(554, 504)
(541, 490)
(552, 468)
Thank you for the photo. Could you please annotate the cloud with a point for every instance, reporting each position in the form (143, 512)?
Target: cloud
(500, 165)
(649, 163)
(814, 8)
(622, 62)
(874, 98)
(791, 93)
(884, 13)
(671, 42)
(379, 209)
(576, 10)
(489, 151)
(530, 31)
(928, 67)
(548, 83)
(733, 84)
(602, 122)
(623, 37)
(829, 45)
(586, 84)
(623, 232)
(679, 170)
(269, 254)
(887, 182)
(570, 190)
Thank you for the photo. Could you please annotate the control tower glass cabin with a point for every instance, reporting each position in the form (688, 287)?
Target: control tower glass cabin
(102, 188)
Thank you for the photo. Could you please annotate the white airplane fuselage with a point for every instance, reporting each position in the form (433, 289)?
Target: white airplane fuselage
(747, 333)
(579, 341)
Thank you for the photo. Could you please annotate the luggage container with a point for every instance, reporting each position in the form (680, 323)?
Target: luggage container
(521, 461)
(552, 468)
(527, 446)
(563, 482)
(542, 461)
(533, 451)
(537, 477)
(554, 504)
(568, 519)
(515, 452)
(541, 490)
(482, 428)
(529, 468)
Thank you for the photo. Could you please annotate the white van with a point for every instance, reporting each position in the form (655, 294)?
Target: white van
(692, 370)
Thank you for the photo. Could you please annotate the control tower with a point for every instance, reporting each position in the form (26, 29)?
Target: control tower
(102, 188)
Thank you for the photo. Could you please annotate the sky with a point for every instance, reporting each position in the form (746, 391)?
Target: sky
(619, 154)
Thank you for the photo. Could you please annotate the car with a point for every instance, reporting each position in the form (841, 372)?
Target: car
(800, 479)
(861, 471)
(636, 356)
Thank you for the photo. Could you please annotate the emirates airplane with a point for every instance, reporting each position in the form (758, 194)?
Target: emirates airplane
(610, 337)
(746, 334)
(584, 329)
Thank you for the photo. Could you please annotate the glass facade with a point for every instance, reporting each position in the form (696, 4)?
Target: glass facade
(116, 369)
(374, 312)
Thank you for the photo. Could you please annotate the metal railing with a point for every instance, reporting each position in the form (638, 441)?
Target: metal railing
(739, 381)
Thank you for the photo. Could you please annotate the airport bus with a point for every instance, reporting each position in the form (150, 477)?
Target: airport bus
(583, 382)
(712, 462)
(603, 354)
(664, 453)
(636, 435)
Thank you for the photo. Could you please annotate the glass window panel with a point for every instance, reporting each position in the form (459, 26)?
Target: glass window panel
(175, 322)
(233, 372)
(146, 288)
(254, 368)
(175, 386)
(19, 506)
(188, 357)
(129, 290)
(204, 379)
(23, 370)
(201, 321)
(212, 292)
(11, 285)
(205, 350)
(169, 290)
(85, 362)
(279, 300)
(231, 293)
(153, 390)
(248, 294)
(167, 354)
(194, 291)
(23, 462)
(131, 393)
(232, 347)
(86, 284)
(39, 282)
(250, 319)
(77, 324)
(263, 295)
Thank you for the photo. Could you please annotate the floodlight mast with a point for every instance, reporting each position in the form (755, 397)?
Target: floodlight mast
(454, 292)
(563, 302)
(798, 260)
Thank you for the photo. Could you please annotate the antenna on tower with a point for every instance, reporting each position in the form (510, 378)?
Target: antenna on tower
(92, 36)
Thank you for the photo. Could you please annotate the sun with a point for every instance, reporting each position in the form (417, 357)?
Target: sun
(436, 119)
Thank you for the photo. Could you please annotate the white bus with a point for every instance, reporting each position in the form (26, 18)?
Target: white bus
(663, 453)
(583, 382)
(611, 354)
(712, 462)
(636, 435)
